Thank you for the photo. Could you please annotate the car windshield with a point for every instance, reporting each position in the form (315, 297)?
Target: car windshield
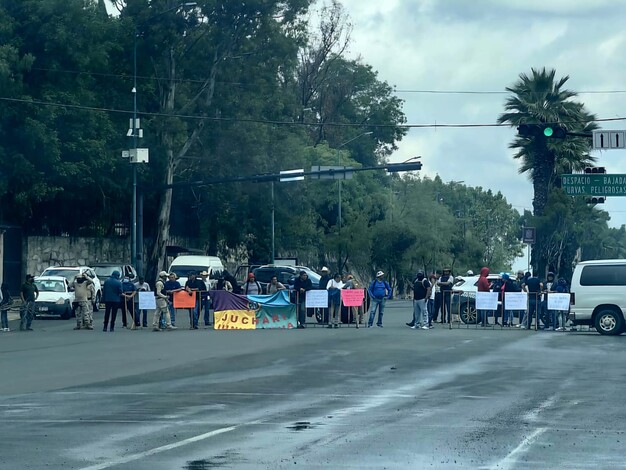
(459, 283)
(68, 274)
(106, 271)
(183, 271)
(50, 286)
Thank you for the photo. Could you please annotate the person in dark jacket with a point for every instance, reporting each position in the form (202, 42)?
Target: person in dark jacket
(302, 285)
(445, 283)
(508, 285)
(112, 297)
(324, 280)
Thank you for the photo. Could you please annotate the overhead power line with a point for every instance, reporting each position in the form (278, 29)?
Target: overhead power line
(399, 90)
(280, 123)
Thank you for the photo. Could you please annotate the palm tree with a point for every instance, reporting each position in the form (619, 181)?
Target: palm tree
(541, 99)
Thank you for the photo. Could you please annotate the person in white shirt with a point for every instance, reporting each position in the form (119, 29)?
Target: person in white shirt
(334, 287)
(142, 286)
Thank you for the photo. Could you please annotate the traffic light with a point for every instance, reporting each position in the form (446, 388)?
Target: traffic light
(551, 131)
(554, 132)
(595, 169)
(595, 200)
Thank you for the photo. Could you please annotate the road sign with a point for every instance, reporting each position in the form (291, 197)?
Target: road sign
(294, 175)
(332, 172)
(604, 140)
(529, 235)
(589, 184)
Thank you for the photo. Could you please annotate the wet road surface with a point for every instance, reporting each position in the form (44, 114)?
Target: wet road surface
(375, 398)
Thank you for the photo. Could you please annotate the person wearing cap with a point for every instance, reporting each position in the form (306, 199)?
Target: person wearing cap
(192, 285)
(83, 291)
(324, 279)
(206, 299)
(28, 293)
(379, 291)
(252, 286)
(161, 304)
(302, 285)
(172, 286)
(445, 283)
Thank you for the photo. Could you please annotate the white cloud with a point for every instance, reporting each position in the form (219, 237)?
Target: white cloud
(483, 45)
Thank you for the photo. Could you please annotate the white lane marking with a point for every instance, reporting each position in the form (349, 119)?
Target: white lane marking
(533, 414)
(511, 459)
(242, 394)
(157, 450)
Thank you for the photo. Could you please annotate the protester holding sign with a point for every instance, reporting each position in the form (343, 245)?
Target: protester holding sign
(334, 287)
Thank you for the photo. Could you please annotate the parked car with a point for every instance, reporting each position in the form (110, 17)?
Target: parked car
(464, 297)
(70, 272)
(184, 264)
(104, 270)
(598, 294)
(55, 297)
(285, 274)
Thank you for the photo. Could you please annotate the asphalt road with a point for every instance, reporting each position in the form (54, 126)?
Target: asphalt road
(375, 398)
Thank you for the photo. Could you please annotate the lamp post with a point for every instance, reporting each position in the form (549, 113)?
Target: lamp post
(135, 131)
(339, 181)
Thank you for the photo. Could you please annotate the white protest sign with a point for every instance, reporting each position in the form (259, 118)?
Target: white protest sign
(486, 300)
(316, 299)
(558, 301)
(146, 301)
(515, 300)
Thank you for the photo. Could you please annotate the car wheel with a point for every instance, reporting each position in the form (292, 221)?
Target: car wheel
(67, 314)
(609, 322)
(318, 315)
(96, 306)
(468, 312)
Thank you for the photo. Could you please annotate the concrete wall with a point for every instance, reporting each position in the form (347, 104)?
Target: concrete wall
(41, 252)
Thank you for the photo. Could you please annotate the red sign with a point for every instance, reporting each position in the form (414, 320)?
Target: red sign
(183, 299)
(352, 297)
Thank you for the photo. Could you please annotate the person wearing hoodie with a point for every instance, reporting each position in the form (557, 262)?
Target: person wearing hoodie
(323, 283)
(112, 297)
(483, 285)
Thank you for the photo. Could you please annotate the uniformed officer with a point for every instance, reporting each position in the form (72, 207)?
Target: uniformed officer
(161, 304)
(83, 292)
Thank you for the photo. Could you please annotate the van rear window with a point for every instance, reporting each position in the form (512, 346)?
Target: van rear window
(607, 275)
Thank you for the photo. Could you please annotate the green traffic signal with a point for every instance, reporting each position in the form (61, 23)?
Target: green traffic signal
(548, 131)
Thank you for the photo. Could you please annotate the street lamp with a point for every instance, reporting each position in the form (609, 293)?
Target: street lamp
(135, 131)
(339, 181)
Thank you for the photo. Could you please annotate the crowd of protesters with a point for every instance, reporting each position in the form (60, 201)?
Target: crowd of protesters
(432, 299)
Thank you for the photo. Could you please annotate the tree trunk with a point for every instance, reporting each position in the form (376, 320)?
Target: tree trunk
(542, 182)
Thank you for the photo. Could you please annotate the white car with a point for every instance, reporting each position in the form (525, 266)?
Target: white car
(598, 294)
(70, 272)
(55, 298)
(464, 293)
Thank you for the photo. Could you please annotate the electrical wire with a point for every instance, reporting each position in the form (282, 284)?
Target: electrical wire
(282, 123)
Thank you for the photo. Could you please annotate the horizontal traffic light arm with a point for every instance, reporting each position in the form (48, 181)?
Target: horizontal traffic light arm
(265, 177)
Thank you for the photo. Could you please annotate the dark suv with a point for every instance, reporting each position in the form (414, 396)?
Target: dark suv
(285, 274)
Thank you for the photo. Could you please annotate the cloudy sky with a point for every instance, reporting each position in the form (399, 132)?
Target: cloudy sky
(483, 45)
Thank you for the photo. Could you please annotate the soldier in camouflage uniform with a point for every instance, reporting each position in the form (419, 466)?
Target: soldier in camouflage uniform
(161, 304)
(83, 293)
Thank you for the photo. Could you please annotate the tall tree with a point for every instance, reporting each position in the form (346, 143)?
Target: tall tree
(540, 98)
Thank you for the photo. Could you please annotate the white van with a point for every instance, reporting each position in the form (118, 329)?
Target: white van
(599, 295)
(183, 265)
